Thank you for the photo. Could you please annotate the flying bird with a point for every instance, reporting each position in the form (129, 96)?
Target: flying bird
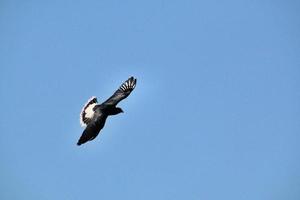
(94, 115)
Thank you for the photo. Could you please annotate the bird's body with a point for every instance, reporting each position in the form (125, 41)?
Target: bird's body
(94, 115)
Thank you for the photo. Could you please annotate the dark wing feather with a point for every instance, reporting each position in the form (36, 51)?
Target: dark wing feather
(124, 90)
(93, 128)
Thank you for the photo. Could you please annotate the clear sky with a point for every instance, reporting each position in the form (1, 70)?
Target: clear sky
(215, 114)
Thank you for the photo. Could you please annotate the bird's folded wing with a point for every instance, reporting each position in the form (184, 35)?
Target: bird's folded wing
(124, 90)
(87, 111)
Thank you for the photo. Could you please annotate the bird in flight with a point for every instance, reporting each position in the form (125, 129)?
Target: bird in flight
(94, 115)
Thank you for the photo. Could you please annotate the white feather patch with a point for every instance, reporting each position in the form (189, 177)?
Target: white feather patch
(87, 111)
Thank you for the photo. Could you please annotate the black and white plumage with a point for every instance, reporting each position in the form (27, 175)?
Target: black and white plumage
(94, 115)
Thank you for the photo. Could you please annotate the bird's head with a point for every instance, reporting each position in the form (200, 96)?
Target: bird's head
(119, 110)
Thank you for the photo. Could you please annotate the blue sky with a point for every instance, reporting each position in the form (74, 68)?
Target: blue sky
(215, 114)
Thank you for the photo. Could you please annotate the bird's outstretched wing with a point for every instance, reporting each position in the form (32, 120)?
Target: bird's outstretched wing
(124, 90)
(93, 128)
(87, 111)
